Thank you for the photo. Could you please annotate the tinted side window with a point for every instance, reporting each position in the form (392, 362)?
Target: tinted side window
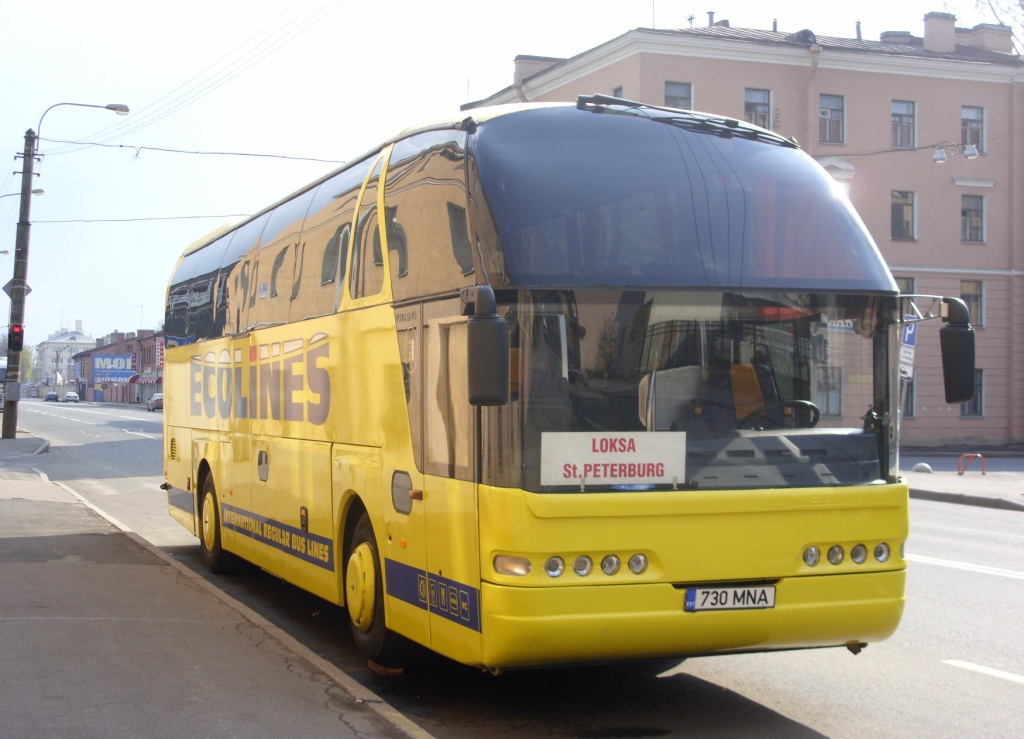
(319, 264)
(426, 227)
(241, 273)
(275, 262)
(190, 313)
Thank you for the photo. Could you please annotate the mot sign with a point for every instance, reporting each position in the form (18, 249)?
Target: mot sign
(112, 368)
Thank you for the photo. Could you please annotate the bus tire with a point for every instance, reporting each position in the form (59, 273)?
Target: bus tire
(216, 559)
(364, 597)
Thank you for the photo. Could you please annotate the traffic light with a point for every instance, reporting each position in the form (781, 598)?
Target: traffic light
(16, 338)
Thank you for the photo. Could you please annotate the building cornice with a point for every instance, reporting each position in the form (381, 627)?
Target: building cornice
(644, 41)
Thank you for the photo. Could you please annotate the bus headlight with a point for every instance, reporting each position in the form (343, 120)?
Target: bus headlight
(610, 564)
(505, 564)
(836, 554)
(638, 564)
(859, 553)
(555, 566)
(812, 555)
(583, 566)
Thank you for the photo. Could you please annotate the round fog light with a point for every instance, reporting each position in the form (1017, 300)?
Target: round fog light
(859, 553)
(582, 566)
(637, 564)
(812, 555)
(554, 566)
(836, 554)
(610, 564)
(882, 552)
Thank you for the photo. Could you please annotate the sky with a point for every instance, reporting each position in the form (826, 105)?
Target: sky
(236, 105)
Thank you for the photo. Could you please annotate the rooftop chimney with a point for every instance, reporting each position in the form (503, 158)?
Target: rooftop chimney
(858, 31)
(527, 66)
(711, 18)
(940, 33)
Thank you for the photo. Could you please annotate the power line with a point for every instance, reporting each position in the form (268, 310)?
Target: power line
(139, 149)
(148, 218)
(211, 78)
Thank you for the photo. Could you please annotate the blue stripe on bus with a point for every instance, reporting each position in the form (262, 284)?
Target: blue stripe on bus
(452, 600)
(316, 550)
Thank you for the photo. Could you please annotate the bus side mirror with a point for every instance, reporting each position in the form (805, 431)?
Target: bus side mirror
(487, 339)
(956, 340)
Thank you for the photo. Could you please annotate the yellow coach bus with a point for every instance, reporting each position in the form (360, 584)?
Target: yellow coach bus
(556, 383)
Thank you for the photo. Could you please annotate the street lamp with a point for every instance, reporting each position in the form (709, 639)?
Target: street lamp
(37, 191)
(967, 151)
(18, 288)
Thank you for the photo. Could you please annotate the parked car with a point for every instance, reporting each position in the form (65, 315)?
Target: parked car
(70, 397)
(51, 396)
(156, 400)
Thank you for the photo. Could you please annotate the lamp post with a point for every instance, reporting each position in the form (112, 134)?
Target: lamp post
(37, 191)
(967, 151)
(18, 288)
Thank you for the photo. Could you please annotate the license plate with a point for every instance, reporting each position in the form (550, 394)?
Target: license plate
(730, 599)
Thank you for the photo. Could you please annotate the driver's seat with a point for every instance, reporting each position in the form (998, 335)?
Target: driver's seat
(753, 387)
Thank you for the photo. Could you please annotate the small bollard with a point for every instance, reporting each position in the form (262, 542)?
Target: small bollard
(961, 466)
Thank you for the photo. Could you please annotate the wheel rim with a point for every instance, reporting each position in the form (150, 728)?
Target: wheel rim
(361, 587)
(209, 520)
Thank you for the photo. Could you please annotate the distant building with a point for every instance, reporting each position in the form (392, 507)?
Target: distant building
(122, 368)
(54, 363)
(879, 116)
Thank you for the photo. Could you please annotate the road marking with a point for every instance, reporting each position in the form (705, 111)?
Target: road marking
(984, 670)
(964, 566)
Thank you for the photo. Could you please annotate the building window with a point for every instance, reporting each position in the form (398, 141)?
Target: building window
(903, 215)
(902, 124)
(975, 408)
(972, 292)
(617, 92)
(972, 127)
(905, 285)
(678, 95)
(972, 218)
(831, 128)
(757, 107)
(907, 397)
(829, 395)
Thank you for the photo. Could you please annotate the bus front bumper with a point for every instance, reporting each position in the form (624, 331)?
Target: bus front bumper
(525, 627)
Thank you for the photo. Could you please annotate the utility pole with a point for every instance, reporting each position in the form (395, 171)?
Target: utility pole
(18, 288)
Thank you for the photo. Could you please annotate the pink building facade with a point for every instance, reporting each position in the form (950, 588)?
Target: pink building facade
(877, 115)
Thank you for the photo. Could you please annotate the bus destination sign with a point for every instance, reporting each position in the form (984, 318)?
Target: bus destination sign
(603, 459)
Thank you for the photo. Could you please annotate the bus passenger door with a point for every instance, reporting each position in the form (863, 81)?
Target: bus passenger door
(404, 544)
(449, 504)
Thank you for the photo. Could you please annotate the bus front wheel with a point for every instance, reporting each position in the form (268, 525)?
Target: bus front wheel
(214, 556)
(364, 596)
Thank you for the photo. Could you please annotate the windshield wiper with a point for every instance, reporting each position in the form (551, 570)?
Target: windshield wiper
(688, 119)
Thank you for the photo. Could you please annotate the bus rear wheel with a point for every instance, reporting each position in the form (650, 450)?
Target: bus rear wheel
(216, 559)
(364, 597)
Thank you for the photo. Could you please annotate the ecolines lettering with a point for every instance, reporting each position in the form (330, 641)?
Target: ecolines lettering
(265, 386)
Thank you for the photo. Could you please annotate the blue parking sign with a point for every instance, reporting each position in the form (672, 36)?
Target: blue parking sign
(910, 334)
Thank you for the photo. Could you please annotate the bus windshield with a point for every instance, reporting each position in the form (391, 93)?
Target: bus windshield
(584, 199)
(779, 390)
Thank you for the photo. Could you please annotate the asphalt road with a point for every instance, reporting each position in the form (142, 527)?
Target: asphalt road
(956, 666)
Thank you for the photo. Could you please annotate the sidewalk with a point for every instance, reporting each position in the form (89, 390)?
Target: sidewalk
(105, 635)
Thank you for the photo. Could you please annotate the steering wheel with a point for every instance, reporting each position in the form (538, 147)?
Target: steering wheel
(793, 403)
